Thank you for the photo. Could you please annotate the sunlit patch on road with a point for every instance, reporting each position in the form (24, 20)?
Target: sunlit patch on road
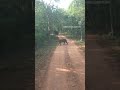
(62, 69)
(66, 70)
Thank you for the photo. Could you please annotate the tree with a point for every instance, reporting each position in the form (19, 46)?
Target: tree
(48, 18)
(76, 14)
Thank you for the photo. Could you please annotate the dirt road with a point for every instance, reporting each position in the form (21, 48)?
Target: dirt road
(66, 70)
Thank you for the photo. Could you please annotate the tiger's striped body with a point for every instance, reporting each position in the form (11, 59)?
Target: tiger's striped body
(63, 41)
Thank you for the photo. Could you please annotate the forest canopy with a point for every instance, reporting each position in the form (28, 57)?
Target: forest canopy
(50, 18)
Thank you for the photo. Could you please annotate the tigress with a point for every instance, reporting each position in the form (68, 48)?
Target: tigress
(62, 41)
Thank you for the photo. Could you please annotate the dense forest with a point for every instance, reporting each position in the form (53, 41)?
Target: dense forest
(50, 19)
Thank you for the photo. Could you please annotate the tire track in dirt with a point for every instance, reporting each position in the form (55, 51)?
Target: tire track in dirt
(41, 71)
(72, 77)
(64, 71)
(56, 75)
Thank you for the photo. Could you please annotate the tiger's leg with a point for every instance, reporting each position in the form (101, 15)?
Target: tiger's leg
(59, 43)
(66, 42)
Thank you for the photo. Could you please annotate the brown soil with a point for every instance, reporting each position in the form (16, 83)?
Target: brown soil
(64, 71)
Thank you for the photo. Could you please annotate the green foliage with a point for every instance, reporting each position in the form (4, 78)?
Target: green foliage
(77, 8)
(49, 18)
(76, 14)
(46, 21)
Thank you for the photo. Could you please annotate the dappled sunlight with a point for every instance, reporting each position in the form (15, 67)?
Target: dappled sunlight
(63, 64)
(62, 69)
(60, 3)
(61, 36)
(65, 70)
(71, 42)
(83, 46)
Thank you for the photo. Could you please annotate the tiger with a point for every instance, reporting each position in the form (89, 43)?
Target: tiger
(62, 41)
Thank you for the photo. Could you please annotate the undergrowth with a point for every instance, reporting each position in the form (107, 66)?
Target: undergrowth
(43, 53)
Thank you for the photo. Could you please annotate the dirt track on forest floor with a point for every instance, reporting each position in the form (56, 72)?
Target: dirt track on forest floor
(66, 70)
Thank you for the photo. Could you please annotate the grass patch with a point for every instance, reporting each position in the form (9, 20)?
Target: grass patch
(81, 44)
(43, 54)
(77, 41)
